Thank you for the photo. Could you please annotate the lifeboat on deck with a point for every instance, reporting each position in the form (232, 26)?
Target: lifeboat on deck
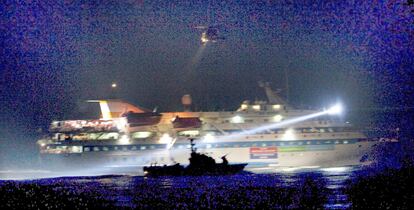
(186, 122)
(143, 119)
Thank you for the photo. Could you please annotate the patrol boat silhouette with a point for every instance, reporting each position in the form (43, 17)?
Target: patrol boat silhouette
(200, 164)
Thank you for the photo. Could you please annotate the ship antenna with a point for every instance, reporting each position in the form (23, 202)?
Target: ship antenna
(287, 85)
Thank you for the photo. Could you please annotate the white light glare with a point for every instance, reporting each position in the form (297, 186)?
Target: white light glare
(237, 119)
(121, 124)
(289, 135)
(166, 139)
(277, 118)
(204, 40)
(124, 139)
(209, 137)
(337, 109)
(171, 143)
(336, 169)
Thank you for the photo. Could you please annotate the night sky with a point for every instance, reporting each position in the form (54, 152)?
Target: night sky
(57, 55)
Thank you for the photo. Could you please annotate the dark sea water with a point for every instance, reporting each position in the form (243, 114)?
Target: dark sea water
(313, 188)
(387, 184)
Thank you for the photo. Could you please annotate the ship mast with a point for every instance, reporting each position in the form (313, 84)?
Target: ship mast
(272, 96)
(287, 85)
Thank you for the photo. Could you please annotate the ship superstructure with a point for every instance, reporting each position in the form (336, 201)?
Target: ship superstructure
(128, 135)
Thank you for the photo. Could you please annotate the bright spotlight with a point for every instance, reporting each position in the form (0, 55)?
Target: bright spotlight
(335, 110)
(204, 40)
(113, 85)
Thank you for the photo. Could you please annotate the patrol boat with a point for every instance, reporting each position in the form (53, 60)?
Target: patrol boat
(200, 164)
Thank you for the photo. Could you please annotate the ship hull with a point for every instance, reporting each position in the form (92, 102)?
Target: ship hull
(273, 155)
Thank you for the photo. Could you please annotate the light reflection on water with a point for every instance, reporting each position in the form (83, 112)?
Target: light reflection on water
(122, 189)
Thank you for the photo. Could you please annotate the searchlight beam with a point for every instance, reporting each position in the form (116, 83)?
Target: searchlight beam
(334, 110)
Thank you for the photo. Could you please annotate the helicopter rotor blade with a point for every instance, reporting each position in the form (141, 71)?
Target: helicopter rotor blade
(200, 27)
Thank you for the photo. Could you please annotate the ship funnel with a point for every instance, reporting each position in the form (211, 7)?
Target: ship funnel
(186, 101)
(116, 108)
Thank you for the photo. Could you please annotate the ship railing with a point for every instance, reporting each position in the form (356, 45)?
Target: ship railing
(83, 126)
(307, 135)
(67, 150)
(84, 129)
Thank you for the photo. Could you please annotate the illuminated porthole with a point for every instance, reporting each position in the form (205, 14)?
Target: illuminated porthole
(141, 135)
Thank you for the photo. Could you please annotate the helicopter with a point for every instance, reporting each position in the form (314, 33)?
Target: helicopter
(210, 34)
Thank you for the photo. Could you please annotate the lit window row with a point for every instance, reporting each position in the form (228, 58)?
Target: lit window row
(217, 145)
(258, 107)
(240, 119)
(121, 148)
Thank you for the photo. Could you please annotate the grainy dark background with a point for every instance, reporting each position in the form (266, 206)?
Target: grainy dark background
(56, 54)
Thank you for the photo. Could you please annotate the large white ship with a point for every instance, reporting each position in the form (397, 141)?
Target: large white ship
(263, 134)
